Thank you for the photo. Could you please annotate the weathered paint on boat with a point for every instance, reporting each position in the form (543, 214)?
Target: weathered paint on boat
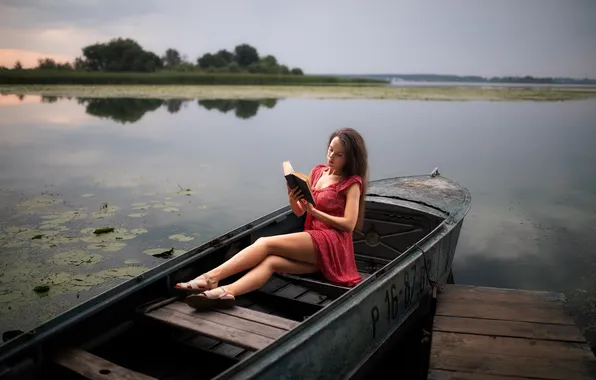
(411, 222)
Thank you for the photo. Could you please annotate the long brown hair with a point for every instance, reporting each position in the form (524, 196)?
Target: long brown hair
(356, 163)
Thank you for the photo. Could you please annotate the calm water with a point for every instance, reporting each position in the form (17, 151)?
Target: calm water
(177, 173)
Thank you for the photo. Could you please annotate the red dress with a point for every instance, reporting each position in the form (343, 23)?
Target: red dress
(335, 249)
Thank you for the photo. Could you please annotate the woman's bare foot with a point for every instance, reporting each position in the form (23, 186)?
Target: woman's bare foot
(198, 285)
(217, 298)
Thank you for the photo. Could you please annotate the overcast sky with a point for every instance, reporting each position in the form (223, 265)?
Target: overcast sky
(476, 37)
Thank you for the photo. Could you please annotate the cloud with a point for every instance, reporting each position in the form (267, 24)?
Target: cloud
(533, 37)
(88, 13)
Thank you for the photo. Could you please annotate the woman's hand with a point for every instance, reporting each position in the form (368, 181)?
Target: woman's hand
(306, 206)
(295, 194)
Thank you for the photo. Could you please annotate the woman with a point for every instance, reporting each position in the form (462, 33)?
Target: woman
(325, 245)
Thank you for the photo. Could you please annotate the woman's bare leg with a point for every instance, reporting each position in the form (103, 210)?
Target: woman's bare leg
(295, 246)
(259, 275)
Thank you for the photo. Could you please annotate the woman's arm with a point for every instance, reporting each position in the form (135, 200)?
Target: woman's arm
(346, 223)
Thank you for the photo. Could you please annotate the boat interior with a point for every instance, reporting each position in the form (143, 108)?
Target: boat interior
(152, 334)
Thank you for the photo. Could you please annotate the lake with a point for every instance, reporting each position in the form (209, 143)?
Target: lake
(173, 174)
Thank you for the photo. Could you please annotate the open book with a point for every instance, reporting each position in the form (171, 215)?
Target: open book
(301, 180)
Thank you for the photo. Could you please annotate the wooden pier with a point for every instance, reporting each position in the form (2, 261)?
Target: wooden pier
(505, 334)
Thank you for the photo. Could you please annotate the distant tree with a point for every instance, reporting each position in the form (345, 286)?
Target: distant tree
(245, 55)
(119, 54)
(234, 67)
(18, 65)
(171, 58)
(79, 64)
(3, 68)
(284, 70)
(46, 63)
(225, 56)
(51, 64)
(296, 71)
(205, 61)
(269, 60)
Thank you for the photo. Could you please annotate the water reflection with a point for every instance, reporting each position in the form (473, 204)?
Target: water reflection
(244, 108)
(131, 110)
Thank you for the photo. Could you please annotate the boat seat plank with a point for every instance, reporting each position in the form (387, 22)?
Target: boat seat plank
(228, 320)
(261, 317)
(239, 326)
(93, 367)
(211, 329)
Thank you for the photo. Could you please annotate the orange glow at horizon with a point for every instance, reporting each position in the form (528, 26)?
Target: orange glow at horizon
(8, 57)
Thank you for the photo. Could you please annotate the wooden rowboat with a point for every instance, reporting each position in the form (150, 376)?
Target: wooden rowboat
(294, 327)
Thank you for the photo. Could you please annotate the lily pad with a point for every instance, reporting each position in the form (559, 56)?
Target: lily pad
(125, 272)
(56, 278)
(76, 257)
(181, 237)
(171, 209)
(87, 280)
(159, 251)
(140, 204)
(141, 208)
(14, 244)
(131, 262)
(138, 231)
(87, 195)
(54, 241)
(40, 202)
(117, 234)
(22, 271)
(9, 296)
(166, 204)
(107, 246)
(15, 229)
(57, 219)
(137, 215)
(106, 212)
(51, 216)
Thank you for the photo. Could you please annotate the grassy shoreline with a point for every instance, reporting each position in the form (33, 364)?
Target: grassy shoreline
(300, 91)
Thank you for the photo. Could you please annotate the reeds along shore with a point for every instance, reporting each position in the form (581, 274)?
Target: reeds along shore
(67, 77)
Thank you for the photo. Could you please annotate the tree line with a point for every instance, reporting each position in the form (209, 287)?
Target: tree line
(127, 55)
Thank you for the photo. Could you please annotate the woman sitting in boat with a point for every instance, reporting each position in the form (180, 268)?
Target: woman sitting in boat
(325, 245)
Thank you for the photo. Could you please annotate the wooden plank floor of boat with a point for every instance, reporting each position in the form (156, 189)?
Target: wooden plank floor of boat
(240, 326)
(506, 334)
(93, 367)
